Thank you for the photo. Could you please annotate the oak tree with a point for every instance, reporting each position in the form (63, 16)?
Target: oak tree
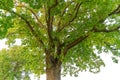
(56, 35)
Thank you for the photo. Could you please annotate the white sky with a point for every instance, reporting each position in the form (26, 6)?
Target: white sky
(110, 72)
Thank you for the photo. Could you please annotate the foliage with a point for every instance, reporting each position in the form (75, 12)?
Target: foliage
(71, 30)
(18, 63)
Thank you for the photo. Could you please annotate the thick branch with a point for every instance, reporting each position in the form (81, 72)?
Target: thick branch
(49, 24)
(81, 38)
(74, 43)
(49, 21)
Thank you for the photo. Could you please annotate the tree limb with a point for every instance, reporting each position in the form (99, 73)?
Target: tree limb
(30, 27)
(49, 22)
(116, 11)
(74, 43)
(39, 22)
(105, 30)
(77, 7)
(81, 38)
(62, 14)
(94, 29)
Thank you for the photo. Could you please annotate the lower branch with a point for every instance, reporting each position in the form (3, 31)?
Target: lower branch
(74, 43)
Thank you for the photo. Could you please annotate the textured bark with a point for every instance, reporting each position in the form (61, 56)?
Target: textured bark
(53, 73)
(53, 68)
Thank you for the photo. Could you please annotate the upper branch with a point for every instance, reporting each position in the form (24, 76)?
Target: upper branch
(49, 21)
(55, 4)
(30, 27)
(77, 7)
(116, 11)
(105, 30)
(39, 22)
(64, 10)
(62, 14)
(76, 12)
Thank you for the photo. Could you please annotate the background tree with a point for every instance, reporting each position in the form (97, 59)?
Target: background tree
(11, 62)
(68, 34)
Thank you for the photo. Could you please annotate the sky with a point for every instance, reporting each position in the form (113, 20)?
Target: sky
(110, 72)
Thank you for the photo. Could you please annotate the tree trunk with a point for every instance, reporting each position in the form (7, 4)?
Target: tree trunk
(53, 73)
(53, 68)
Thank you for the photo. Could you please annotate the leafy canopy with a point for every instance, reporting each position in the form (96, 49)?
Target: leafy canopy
(83, 29)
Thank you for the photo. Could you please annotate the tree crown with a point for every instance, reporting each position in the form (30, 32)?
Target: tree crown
(79, 29)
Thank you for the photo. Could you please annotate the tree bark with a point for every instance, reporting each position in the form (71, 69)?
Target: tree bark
(53, 68)
(53, 73)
